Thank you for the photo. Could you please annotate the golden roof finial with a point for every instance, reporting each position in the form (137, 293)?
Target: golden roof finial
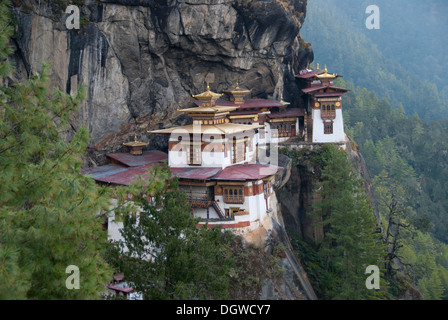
(208, 95)
(236, 95)
(135, 143)
(326, 75)
(317, 66)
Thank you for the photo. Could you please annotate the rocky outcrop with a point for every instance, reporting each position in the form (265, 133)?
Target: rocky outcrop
(298, 195)
(142, 60)
(293, 283)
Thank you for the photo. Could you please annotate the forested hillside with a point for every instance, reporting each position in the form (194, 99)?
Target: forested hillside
(396, 114)
(407, 158)
(403, 61)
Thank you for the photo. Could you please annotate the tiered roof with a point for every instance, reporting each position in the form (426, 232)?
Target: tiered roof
(211, 116)
(126, 168)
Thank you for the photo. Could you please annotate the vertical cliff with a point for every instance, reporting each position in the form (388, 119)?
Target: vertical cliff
(298, 196)
(142, 60)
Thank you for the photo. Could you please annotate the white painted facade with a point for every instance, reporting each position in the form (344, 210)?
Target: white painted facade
(318, 128)
(255, 208)
(214, 158)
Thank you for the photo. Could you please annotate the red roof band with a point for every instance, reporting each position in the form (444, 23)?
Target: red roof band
(248, 104)
(122, 174)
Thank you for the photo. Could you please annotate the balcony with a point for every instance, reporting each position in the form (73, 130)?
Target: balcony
(199, 200)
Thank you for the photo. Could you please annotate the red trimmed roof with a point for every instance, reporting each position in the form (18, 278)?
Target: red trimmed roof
(197, 173)
(128, 169)
(147, 157)
(328, 94)
(242, 172)
(103, 171)
(122, 286)
(317, 88)
(131, 167)
(288, 113)
(128, 176)
(245, 112)
(260, 103)
(248, 104)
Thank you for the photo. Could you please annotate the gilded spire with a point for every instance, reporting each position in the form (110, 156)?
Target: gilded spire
(237, 95)
(208, 96)
(135, 143)
(136, 146)
(326, 75)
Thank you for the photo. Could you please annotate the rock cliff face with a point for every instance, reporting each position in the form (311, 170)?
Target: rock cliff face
(297, 196)
(141, 60)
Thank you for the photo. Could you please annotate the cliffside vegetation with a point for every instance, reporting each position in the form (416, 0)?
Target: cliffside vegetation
(337, 260)
(407, 159)
(48, 210)
(394, 113)
(180, 261)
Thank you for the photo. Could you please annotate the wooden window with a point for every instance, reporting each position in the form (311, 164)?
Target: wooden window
(328, 111)
(234, 194)
(328, 127)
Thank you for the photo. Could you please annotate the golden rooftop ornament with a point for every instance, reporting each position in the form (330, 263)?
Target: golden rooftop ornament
(326, 75)
(237, 95)
(136, 146)
(208, 96)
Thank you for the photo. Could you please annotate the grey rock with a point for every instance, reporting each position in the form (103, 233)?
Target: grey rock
(140, 61)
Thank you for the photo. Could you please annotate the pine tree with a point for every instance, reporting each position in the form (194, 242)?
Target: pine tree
(350, 242)
(164, 254)
(48, 210)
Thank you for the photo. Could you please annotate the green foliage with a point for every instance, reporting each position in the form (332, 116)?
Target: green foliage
(378, 59)
(167, 256)
(164, 254)
(407, 158)
(351, 242)
(428, 264)
(49, 212)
